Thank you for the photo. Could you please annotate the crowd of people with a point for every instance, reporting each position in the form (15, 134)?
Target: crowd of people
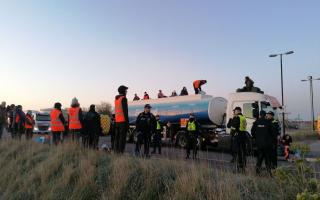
(85, 128)
(197, 84)
(76, 127)
(266, 134)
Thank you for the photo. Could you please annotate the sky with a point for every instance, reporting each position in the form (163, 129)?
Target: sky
(55, 50)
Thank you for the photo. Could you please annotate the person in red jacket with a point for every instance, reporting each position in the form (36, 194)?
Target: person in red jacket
(75, 120)
(121, 120)
(57, 124)
(197, 85)
(29, 125)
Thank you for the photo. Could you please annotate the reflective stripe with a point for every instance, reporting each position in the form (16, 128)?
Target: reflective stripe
(56, 124)
(191, 126)
(119, 114)
(26, 125)
(196, 83)
(158, 126)
(243, 123)
(74, 122)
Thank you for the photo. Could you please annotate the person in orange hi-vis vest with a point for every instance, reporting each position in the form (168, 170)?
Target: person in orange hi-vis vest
(29, 125)
(57, 124)
(75, 120)
(197, 85)
(121, 120)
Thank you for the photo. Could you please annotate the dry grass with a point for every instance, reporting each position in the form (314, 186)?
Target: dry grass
(34, 171)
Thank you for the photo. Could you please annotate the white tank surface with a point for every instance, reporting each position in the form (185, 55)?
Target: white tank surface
(217, 110)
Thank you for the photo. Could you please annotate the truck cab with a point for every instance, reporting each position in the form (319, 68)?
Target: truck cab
(251, 104)
(42, 122)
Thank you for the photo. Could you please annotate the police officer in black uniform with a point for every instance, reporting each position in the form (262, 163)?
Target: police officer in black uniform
(192, 137)
(231, 124)
(157, 136)
(262, 133)
(276, 133)
(146, 127)
(239, 125)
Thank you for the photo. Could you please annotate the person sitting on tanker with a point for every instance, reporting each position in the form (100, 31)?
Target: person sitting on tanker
(136, 97)
(146, 96)
(161, 95)
(193, 128)
(174, 94)
(197, 85)
(184, 92)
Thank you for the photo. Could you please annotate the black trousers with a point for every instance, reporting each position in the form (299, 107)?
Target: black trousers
(274, 156)
(145, 139)
(29, 133)
(120, 137)
(196, 91)
(93, 140)
(192, 144)
(157, 142)
(75, 135)
(241, 150)
(1, 130)
(57, 137)
(17, 132)
(264, 154)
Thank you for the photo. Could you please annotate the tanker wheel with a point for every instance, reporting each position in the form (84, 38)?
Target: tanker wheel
(181, 139)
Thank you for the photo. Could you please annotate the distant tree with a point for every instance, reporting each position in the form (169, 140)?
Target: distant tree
(104, 108)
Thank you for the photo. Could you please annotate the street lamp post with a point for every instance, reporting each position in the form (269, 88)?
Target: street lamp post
(311, 79)
(282, 93)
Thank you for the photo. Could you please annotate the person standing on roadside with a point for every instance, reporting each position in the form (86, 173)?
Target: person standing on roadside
(192, 137)
(233, 122)
(93, 128)
(145, 127)
(3, 117)
(121, 119)
(262, 133)
(276, 130)
(75, 120)
(29, 125)
(157, 136)
(11, 112)
(57, 124)
(239, 126)
(19, 120)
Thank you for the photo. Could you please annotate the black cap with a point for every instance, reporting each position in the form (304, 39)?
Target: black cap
(147, 106)
(270, 113)
(238, 109)
(57, 105)
(122, 89)
(263, 113)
